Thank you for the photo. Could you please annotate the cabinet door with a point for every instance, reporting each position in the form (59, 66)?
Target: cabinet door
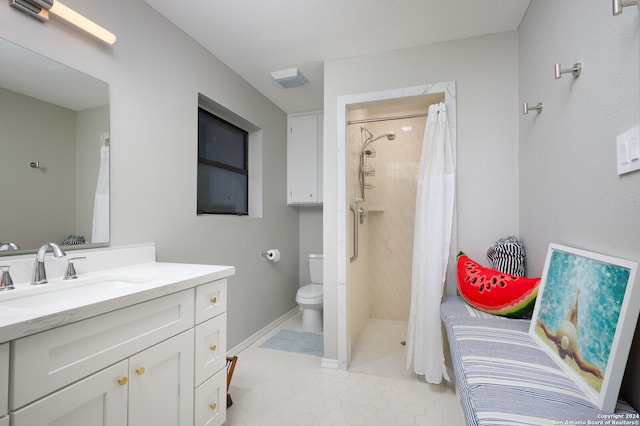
(98, 400)
(161, 383)
(304, 164)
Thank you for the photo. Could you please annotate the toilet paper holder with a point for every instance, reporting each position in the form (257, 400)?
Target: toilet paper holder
(272, 255)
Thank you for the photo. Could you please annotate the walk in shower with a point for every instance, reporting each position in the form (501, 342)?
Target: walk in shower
(382, 156)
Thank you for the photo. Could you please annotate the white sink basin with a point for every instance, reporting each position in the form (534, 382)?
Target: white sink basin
(67, 291)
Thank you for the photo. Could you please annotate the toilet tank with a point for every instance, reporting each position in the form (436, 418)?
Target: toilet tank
(314, 261)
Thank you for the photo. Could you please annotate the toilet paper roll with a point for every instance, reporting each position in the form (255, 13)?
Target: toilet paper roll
(273, 255)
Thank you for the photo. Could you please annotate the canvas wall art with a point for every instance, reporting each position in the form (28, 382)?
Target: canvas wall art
(585, 317)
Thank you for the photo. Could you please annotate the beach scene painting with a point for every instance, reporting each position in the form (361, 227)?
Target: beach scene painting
(585, 316)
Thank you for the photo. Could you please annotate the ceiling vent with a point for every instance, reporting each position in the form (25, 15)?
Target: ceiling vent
(289, 78)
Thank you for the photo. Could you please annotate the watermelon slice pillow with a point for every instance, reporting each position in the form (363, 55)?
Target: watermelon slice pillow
(495, 292)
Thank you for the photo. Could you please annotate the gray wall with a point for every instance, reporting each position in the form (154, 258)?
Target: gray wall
(310, 237)
(155, 73)
(570, 192)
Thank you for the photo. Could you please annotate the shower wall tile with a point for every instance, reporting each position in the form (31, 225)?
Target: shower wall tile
(380, 281)
(391, 232)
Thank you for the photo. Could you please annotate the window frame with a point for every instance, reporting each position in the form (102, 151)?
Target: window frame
(224, 166)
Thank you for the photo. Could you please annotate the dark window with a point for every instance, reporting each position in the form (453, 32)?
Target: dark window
(223, 169)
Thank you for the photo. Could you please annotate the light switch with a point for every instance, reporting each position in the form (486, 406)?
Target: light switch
(628, 151)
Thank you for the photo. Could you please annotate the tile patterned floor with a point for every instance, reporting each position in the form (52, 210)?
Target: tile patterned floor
(271, 387)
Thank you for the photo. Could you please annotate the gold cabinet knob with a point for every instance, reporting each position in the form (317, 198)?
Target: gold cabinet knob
(140, 371)
(214, 300)
(122, 381)
(213, 405)
(213, 347)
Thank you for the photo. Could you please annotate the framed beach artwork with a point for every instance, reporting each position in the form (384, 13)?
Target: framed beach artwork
(585, 317)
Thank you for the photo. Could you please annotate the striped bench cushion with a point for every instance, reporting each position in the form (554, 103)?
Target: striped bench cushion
(504, 378)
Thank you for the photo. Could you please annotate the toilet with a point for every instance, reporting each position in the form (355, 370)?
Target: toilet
(309, 296)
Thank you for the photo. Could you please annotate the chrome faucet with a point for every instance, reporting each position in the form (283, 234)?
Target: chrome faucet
(9, 246)
(39, 273)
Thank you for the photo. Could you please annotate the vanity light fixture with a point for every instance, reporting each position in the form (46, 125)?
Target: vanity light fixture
(619, 4)
(40, 10)
(289, 78)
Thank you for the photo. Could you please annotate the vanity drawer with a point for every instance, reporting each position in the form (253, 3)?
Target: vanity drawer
(210, 401)
(211, 347)
(55, 358)
(211, 300)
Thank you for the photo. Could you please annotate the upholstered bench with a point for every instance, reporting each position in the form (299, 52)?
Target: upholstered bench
(502, 377)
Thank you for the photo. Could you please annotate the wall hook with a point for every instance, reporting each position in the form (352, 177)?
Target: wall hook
(576, 70)
(526, 108)
(619, 4)
(34, 164)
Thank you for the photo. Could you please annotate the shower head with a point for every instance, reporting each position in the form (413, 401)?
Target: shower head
(371, 138)
(390, 135)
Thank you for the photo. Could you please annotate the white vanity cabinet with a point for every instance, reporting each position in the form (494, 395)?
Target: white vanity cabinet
(304, 159)
(132, 366)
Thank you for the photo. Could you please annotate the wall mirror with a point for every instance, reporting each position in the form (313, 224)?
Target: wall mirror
(54, 154)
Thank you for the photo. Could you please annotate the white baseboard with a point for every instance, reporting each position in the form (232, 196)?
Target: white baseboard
(257, 335)
(329, 363)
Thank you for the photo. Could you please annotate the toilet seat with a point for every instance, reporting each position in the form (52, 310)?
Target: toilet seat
(310, 294)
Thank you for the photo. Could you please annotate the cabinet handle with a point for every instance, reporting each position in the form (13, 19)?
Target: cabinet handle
(213, 405)
(214, 300)
(140, 371)
(122, 381)
(213, 347)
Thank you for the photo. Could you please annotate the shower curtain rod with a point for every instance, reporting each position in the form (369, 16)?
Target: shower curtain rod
(372, 120)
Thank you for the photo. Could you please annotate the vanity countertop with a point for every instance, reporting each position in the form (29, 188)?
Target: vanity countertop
(31, 309)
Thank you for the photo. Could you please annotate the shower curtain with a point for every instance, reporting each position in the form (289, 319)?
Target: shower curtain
(100, 231)
(433, 225)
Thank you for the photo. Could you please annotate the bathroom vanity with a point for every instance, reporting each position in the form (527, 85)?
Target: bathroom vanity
(138, 344)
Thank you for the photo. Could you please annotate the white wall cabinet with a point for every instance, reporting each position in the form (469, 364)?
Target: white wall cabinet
(134, 366)
(304, 158)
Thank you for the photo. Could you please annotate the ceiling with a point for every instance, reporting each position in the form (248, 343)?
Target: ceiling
(255, 37)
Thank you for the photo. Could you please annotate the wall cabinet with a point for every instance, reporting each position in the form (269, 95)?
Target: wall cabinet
(134, 366)
(304, 158)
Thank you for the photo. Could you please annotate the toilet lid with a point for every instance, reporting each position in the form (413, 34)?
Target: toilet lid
(310, 291)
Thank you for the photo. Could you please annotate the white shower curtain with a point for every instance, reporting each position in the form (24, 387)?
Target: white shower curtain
(433, 224)
(100, 232)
